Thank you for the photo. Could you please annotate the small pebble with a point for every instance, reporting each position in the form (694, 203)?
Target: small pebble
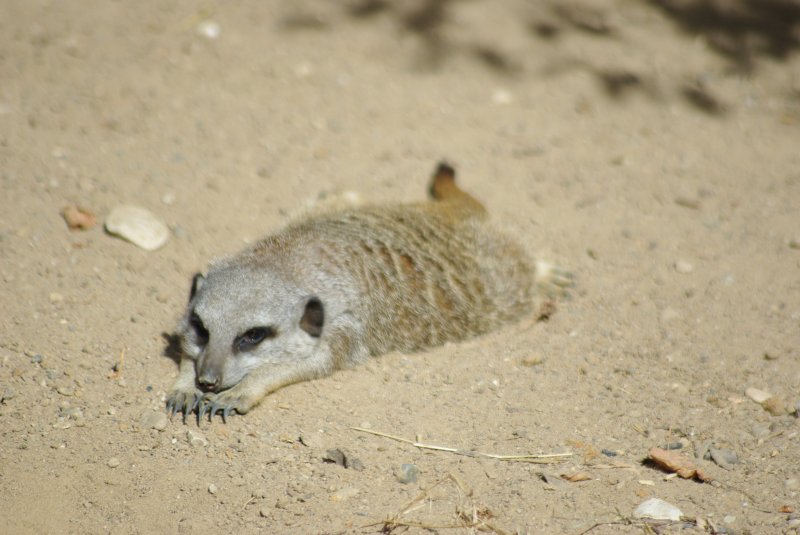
(343, 459)
(334, 456)
(264, 512)
(138, 226)
(775, 406)
(681, 266)
(196, 439)
(66, 390)
(212, 489)
(729, 519)
(408, 473)
(313, 440)
(155, 420)
(657, 510)
(794, 243)
(724, 457)
(532, 360)
(113, 462)
(354, 464)
(757, 395)
(792, 484)
(73, 413)
(209, 29)
(37, 359)
(344, 494)
(78, 218)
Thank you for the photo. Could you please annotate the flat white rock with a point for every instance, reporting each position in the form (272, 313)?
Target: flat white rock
(138, 226)
(657, 510)
(757, 395)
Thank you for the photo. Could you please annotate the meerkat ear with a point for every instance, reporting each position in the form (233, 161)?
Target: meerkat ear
(313, 317)
(197, 283)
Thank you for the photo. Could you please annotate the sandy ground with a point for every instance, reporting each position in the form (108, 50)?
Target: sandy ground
(651, 147)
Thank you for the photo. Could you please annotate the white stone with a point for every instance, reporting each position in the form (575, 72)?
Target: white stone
(757, 395)
(344, 494)
(154, 420)
(657, 510)
(138, 226)
(209, 29)
(196, 439)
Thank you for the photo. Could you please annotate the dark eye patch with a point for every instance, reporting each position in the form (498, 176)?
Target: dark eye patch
(199, 328)
(252, 337)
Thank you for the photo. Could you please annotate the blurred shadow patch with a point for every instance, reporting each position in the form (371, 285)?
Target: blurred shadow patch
(584, 18)
(173, 349)
(617, 83)
(703, 100)
(303, 21)
(367, 9)
(740, 30)
(495, 60)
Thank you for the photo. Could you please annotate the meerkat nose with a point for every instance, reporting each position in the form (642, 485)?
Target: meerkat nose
(208, 383)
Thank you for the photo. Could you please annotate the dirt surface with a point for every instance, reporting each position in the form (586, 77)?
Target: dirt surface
(651, 147)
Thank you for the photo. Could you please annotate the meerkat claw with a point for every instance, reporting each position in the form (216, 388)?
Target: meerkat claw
(195, 403)
(215, 407)
(201, 410)
(174, 404)
(184, 408)
(190, 405)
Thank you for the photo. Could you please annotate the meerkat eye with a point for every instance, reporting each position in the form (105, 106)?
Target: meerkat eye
(252, 338)
(199, 328)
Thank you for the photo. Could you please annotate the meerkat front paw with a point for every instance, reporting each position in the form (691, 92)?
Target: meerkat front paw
(234, 399)
(183, 401)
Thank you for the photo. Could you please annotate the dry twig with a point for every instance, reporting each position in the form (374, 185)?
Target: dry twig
(544, 458)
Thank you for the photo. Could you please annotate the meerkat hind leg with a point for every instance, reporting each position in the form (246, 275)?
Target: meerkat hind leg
(552, 280)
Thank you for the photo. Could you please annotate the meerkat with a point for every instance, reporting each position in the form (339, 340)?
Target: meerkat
(332, 289)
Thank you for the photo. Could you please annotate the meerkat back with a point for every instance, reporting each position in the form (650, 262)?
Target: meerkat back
(423, 274)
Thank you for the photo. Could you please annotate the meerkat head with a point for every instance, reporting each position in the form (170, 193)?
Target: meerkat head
(241, 318)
